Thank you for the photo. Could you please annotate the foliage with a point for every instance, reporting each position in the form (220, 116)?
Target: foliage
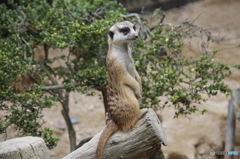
(22, 110)
(170, 76)
(26, 25)
(184, 79)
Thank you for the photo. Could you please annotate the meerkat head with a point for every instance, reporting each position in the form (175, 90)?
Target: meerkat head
(122, 32)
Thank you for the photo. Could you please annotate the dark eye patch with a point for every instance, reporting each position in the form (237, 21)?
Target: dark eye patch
(110, 33)
(134, 28)
(124, 30)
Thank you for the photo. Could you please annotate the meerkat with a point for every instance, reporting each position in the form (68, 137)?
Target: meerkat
(124, 83)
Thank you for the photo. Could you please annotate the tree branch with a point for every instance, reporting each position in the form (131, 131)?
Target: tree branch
(48, 73)
(83, 141)
(56, 87)
(68, 64)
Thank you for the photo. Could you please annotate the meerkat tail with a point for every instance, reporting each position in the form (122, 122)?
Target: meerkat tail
(107, 132)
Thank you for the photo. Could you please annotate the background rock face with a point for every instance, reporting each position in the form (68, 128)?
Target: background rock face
(187, 138)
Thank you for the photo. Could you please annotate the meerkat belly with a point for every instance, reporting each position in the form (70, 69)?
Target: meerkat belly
(131, 69)
(124, 110)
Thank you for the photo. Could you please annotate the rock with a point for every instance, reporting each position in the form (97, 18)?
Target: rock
(24, 148)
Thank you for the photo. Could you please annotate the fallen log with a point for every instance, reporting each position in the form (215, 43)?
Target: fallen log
(24, 148)
(142, 142)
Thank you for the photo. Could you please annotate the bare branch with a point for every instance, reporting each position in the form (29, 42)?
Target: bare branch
(24, 18)
(25, 56)
(56, 87)
(228, 48)
(133, 15)
(163, 16)
(58, 95)
(83, 141)
(98, 12)
(94, 15)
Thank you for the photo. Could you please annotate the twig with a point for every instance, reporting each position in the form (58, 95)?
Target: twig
(194, 20)
(31, 50)
(70, 11)
(98, 12)
(163, 16)
(189, 24)
(68, 64)
(94, 15)
(233, 47)
(59, 96)
(133, 15)
(24, 18)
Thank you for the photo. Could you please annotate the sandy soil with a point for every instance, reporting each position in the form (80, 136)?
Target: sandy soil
(188, 138)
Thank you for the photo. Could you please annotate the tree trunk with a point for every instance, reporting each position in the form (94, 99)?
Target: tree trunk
(71, 130)
(142, 142)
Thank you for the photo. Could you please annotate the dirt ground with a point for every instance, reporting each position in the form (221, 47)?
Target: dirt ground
(187, 138)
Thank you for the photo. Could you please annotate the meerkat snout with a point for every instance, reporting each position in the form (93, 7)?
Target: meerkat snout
(132, 37)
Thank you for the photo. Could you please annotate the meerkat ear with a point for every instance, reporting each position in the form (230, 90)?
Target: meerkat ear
(110, 33)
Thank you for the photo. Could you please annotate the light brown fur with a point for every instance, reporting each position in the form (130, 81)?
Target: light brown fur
(124, 84)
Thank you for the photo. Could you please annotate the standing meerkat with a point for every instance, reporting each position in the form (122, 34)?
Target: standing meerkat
(124, 83)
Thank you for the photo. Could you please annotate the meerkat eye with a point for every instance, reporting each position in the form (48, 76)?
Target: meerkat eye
(124, 30)
(134, 28)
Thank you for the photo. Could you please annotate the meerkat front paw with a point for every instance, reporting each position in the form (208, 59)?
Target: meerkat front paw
(138, 96)
(143, 112)
(138, 93)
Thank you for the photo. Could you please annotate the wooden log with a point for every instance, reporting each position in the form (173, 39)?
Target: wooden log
(230, 134)
(142, 142)
(233, 110)
(24, 148)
